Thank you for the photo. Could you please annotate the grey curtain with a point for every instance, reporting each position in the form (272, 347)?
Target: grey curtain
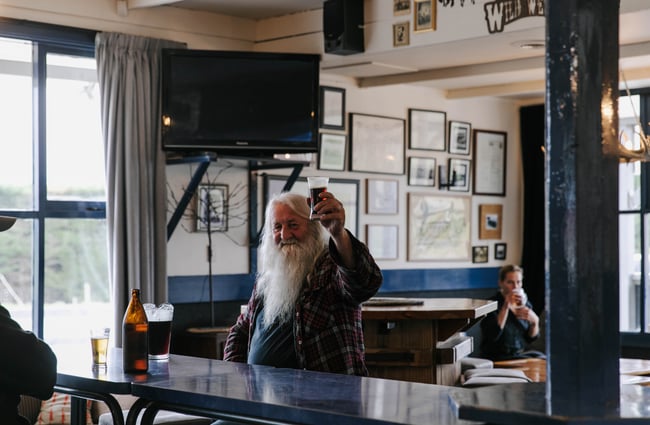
(129, 73)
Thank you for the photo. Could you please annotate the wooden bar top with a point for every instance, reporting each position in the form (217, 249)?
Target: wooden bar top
(427, 308)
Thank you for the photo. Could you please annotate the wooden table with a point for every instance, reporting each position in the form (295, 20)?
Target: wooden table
(205, 342)
(633, 371)
(534, 368)
(418, 339)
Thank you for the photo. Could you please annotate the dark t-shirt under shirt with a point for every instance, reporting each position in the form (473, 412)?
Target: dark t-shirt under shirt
(272, 345)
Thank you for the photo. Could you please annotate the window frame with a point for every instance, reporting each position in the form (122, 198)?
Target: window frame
(641, 338)
(47, 39)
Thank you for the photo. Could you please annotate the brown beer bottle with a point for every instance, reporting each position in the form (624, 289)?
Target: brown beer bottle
(135, 334)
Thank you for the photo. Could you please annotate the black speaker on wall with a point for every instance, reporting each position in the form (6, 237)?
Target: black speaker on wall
(343, 26)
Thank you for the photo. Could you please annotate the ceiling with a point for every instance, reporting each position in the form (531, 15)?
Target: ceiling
(494, 65)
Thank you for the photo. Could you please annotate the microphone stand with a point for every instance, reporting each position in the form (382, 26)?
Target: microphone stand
(208, 226)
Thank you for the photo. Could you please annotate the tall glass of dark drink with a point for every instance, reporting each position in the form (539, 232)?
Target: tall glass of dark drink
(317, 185)
(160, 330)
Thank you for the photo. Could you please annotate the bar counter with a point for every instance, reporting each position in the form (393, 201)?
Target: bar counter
(416, 339)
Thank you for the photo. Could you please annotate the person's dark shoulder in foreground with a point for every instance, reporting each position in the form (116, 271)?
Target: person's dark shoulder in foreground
(27, 366)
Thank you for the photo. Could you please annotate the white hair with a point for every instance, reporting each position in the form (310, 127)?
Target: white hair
(285, 266)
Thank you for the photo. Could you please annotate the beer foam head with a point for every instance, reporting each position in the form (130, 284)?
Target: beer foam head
(162, 313)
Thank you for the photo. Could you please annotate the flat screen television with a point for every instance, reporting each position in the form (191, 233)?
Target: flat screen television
(243, 103)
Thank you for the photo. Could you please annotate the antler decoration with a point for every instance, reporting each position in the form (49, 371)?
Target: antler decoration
(620, 145)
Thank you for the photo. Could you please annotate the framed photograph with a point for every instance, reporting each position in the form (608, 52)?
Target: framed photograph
(490, 162)
(422, 171)
(500, 251)
(490, 221)
(401, 7)
(376, 144)
(438, 227)
(427, 129)
(459, 137)
(345, 190)
(211, 208)
(458, 179)
(424, 15)
(480, 254)
(381, 196)
(442, 177)
(332, 108)
(401, 34)
(382, 241)
(331, 152)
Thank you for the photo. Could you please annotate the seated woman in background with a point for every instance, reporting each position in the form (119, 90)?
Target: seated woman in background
(507, 332)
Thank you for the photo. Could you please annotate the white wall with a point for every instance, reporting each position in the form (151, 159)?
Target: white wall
(187, 250)
(393, 101)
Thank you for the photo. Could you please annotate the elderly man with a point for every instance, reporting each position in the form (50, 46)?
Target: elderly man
(27, 364)
(305, 310)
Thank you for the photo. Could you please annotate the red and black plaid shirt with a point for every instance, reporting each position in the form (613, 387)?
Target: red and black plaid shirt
(327, 330)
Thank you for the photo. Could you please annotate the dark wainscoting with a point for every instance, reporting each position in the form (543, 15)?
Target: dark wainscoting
(195, 289)
(190, 294)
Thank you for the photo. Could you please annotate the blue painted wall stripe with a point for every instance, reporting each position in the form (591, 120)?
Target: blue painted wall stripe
(193, 289)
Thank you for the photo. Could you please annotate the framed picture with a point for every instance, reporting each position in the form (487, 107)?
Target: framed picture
(381, 196)
(424, 15)
(490, 162)
(331, 152)
(422, 171)
(332, 108)
(427, 129)
(401, 34)
(459, 170)
(382, 241)
(345, 190)
(443, 183)
(376, 144)
(401, 7)
(480, 254)
(438, 227)
(211, 208)
(500, 251)
(459, 137)
(490, 221)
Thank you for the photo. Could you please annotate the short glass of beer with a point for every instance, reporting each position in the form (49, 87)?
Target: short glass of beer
(160, 329)
(99, 345)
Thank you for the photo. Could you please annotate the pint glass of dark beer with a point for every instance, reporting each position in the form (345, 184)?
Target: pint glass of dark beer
(160, 329)
(316, 186)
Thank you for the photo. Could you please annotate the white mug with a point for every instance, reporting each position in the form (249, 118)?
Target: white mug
(522, 294)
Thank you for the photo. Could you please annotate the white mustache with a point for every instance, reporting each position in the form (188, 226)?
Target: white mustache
(291, 241)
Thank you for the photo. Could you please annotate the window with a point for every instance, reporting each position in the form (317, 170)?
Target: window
(53, 262)
(634, 220)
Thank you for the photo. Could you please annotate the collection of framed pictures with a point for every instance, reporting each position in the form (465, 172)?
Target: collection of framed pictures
(424, 19)
(377, 145)
(438, 226)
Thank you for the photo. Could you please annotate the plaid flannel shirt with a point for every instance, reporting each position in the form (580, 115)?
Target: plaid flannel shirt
(327, 329)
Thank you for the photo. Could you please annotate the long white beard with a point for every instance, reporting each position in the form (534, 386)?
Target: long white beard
(285, 268)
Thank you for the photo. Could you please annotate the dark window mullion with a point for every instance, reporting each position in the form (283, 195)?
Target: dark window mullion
(40, 189)
(644, 114)
(75, 209)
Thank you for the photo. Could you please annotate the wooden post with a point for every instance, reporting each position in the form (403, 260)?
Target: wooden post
(582, 209)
